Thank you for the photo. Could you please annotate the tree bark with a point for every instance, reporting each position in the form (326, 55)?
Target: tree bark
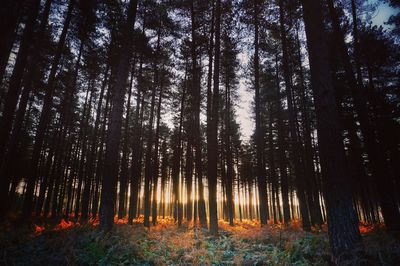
(377, 158)
(213, 152)
(14, 88)
(10, 15)
(114, 130)
(261, 178)
(123, 182)
(156, 164)
(45, 116)
(343, 231)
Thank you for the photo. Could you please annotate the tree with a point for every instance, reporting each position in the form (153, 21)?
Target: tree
(212, 152)
(114, 130)
(45, 115)
(344, 234)
(8, 149)
(261, 177)
(229, 66)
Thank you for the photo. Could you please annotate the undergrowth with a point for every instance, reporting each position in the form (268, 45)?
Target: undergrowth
(164, 244)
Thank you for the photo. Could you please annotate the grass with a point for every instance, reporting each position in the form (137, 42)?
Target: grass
(67, 243)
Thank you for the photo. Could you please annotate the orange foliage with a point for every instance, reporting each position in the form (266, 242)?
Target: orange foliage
(139, 219)
(94, 221)
(296, 224)
(367, 228)
(39, 229)
(64, 225)
(120, 221)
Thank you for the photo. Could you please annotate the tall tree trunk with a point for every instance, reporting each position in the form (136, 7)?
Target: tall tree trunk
(164, 176)
(59, 172)
(125, 153)
(10, 14)
(100, 154)
(10, 155)
(343, 231)
(377, 158)
(11, 149)
(156, 164)
(189, 176)
(136, 167)
(310, 176)
(45, 116)
(271, 159)
(83, 139)
(14, 88)
(282, 151)
(71, 179)
(295, 143)
(137, 147)
(148, 163)
(209, 88)
(82, 174)
(196, 136)
(261, 178)
(228, 148)
(114, 130)
(213, 147)
(176, 164)
(93, 148)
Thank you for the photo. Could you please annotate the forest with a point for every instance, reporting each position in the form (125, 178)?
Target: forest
(193, 132)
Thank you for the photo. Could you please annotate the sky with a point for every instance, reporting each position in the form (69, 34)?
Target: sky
(244, 104)
(383, 13)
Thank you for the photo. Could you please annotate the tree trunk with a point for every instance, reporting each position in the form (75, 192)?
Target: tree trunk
(228, 148)
(148, 163)
(294, 138)
(282, 151)
(100, 154)
(14, 88)
(125, 153)
(93, 148)
(213, 147)
(164, 176)
(377, 158)
(310, 176)
(12, 145)
(156, 164)
(209, 89)
(261, 178)
(114, 130)
(137, 152)
(176, 164)
(344, 234)
(45, 116)
(10, 15)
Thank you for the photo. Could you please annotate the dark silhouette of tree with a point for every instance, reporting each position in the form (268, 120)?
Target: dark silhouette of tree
(213, 153)
(114, 132)
(344, 234)
(45, 115)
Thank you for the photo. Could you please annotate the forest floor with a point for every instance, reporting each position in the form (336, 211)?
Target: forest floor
(246, 243)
